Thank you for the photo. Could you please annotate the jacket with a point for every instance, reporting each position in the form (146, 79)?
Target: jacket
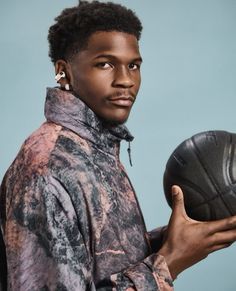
(69, 214)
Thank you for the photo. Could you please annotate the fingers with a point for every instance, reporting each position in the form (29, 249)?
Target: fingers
(223, 237)
(222, 225)
(178, 200)
(220, 247)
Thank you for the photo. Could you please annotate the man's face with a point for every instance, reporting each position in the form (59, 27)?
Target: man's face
(106, 75)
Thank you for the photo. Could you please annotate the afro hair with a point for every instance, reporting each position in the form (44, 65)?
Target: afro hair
(75, 25)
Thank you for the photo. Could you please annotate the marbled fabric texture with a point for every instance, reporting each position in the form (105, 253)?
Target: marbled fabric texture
(69, 214)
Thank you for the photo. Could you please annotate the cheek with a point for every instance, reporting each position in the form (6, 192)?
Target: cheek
(91, 84)
(137, 87)
(138, 81)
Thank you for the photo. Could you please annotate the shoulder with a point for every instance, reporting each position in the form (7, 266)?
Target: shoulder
(52, 151)
(36, 150)
(50, 145)
(33, 158)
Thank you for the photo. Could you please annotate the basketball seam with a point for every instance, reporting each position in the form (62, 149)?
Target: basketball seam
(228, 172)
(190, 184)
(211, 177)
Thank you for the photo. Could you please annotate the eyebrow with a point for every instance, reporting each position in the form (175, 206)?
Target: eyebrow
(139, 59)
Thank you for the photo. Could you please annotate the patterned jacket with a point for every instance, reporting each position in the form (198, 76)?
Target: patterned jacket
(69, 214)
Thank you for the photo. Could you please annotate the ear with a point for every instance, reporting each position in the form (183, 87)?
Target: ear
(60, 66)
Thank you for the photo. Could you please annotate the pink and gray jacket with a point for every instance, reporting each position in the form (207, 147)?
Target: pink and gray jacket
(69, 214)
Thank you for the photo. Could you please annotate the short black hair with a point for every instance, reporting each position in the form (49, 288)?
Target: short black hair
(75, 25)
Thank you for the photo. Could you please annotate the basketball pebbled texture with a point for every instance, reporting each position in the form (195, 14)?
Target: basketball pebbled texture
(204, 166)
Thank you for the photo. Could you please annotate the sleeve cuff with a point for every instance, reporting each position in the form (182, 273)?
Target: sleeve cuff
(161, 271)
(152, 274)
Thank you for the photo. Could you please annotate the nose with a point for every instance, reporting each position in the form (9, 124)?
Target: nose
(123, 78)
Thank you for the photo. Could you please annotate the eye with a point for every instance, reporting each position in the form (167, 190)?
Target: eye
(134, 66)
(104, 65)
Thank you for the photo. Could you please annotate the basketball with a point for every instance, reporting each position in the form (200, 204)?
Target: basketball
(204, 166)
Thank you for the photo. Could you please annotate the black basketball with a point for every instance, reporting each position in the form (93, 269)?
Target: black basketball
(204, 166)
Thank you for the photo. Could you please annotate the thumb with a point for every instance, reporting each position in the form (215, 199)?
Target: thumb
(178, 200)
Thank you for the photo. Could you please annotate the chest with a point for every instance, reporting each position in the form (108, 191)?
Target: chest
(117, 225)
(108, 212)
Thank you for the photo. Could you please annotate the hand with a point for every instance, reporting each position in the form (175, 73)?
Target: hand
(189, 241)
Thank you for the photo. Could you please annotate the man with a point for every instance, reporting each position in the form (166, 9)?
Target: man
(69, 214)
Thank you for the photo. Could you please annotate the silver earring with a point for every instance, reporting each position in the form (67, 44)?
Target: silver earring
(60, 75)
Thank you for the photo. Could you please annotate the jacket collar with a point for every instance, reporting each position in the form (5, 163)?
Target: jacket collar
(63, 108)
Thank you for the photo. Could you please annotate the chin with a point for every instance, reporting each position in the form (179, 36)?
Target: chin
(115, 119)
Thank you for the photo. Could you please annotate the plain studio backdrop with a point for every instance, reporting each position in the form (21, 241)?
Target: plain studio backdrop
(188, 86)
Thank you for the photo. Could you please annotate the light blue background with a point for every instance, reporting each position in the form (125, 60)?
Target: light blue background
(189, 70)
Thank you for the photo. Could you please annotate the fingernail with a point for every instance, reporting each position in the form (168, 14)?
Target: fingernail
(174, 190)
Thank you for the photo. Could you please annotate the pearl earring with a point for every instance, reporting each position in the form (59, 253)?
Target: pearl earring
(67, 87)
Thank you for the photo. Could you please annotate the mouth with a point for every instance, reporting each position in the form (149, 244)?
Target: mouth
(122, 100)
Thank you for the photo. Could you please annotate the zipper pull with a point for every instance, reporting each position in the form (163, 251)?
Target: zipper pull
(129, 154)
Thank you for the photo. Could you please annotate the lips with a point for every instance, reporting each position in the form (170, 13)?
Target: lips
(122, 100)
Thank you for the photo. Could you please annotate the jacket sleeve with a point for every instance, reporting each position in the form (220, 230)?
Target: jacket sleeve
(151, 274)
(46, 249)
(156, 238)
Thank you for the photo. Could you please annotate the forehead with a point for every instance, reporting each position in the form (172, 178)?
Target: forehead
(115, 43)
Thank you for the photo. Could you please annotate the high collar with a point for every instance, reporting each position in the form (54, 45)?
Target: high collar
(63, 108)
